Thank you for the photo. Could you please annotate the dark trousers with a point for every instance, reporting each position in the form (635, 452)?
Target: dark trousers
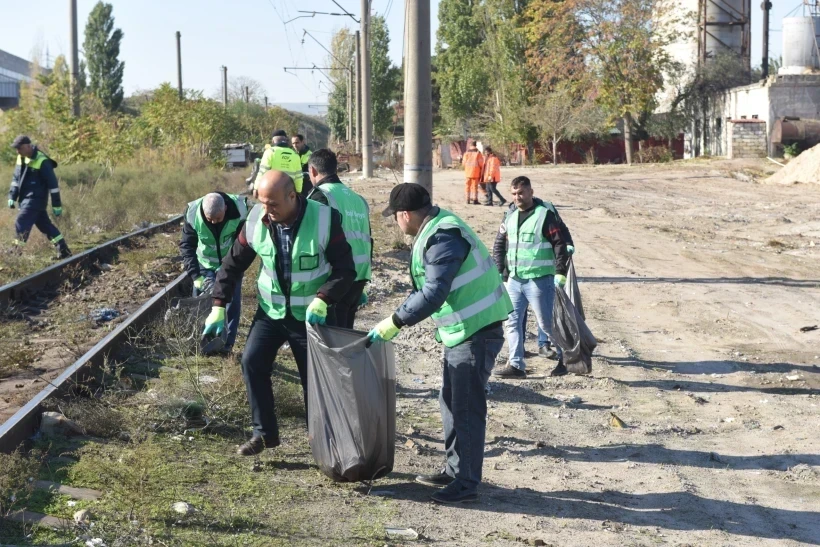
(463, 402)
(264, 340)
(492, 189)
(343, 313)
(29, 218)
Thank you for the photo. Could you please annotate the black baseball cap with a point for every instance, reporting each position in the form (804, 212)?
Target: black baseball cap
(407, 197)
(20, 141)
(279, 133)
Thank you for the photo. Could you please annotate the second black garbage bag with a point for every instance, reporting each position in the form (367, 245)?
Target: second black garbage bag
(352, 404)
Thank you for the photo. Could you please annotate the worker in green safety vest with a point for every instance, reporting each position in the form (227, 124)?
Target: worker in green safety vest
(212, 224)
(328, 189)
(456, 284)
(281, 157)
(306, 266)
(532, 248)
(300, 147)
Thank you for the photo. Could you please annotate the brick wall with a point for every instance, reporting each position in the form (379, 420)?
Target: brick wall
(747, 139)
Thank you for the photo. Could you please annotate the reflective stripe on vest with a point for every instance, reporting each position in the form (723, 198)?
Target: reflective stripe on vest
(355, 214)
(529, 254)
(310, 268)
(209, 251)
(477, 296)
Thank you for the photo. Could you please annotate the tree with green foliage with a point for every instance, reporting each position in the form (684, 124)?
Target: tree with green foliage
(384, 76)
(102, 51)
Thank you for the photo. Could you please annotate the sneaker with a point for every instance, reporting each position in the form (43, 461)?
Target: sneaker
(455, 494)
(548, 352)
(559, 370)
(509, 371)
(439, 479)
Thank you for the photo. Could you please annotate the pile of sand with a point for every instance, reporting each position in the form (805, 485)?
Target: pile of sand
(804, 168)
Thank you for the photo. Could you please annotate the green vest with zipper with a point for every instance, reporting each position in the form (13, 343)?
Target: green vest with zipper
(209, 250)
(529, 253)
(355, 222)
(477, 296)
(310, 268)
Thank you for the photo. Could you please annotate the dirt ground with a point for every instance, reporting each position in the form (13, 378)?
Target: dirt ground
(696, 285)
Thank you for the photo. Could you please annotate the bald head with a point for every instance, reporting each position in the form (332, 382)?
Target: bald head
(277, 194)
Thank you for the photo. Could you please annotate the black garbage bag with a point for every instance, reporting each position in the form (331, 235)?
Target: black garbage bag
(572, 335)
(352, 402)
(573, 291)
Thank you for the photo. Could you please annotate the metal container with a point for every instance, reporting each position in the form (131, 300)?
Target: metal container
(800, 45)
(727, 29)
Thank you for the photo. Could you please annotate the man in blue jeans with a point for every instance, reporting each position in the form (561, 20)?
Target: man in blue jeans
(458, 288)
(531, 248)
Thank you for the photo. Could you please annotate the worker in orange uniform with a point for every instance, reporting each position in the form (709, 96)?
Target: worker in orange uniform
(473, 167)
(492, 176)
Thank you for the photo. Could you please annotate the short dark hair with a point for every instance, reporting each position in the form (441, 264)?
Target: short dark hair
(279, 133)
(521, 181)
(324, 161)
(488, 149)
(300, 137)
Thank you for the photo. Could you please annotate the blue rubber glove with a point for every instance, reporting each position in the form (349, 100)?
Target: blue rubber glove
(384, 331)
(571, 249)
(317, 312)
(560, 281)
(215, 322)
(57, 211)
(363, 298)
(11, 204)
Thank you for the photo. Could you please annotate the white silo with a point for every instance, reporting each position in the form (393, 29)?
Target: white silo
(800, 53)
(725, 27)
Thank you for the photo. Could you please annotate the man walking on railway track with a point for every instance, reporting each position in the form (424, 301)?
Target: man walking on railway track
(455, 285)
(32, 183)
(281, 157)
(531, 248)
(212, 224)
(328, 189)
(307, 265)
(473, 168)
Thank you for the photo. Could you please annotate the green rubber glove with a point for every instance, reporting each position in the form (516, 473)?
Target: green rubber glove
(11, 204)
(363, 298)
(57, 211)
(317, 312)
(384, 331)
(571, 249)
(560, 281)
(199, 282)
(215, 322)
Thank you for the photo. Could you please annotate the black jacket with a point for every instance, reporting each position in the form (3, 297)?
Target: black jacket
(338, 254)
(32, 187)
(553, 230)
(190, 239)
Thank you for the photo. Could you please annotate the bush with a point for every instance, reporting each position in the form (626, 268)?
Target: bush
(655, 154)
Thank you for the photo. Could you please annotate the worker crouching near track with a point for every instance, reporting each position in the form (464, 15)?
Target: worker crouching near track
(212, 224)
(457, 285)
(307, 264)
(31, 185)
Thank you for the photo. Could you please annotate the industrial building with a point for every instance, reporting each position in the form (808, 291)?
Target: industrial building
(13, 71)
(745, 121)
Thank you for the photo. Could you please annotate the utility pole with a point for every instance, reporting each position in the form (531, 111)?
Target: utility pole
(367, 113)
(358, 96)
(179, 64)
(766, 6)
(75, 59)
(418, 97)
(350, 84)
(266, 103)
(225, 86)
(247, 95)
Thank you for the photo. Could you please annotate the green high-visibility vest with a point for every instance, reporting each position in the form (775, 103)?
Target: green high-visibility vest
(304, 157)
(35, 162)
(477, 296)
(310, 268)
(355, 222)
(529, 253)
(281, 159)
(209, 251)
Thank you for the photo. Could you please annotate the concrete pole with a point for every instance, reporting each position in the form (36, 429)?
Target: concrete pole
(179, 63)
(766, 6)
(418, 97)
(225, 86)
(367, 111)
(75, 59)
(247, 95)
(266, 103)
(350, 85)
(358, 96)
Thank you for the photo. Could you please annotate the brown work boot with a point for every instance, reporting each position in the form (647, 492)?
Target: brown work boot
(255, 446)
(510, 372)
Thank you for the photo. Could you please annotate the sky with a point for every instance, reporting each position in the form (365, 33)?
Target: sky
(247, 36)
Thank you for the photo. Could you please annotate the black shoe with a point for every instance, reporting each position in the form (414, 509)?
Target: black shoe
(548, 352)
(475, 202)
(455, 494)
(63, 251)
(440, 479)
(503, 203)
(559, 370)
(509, 371)
(255, 446)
